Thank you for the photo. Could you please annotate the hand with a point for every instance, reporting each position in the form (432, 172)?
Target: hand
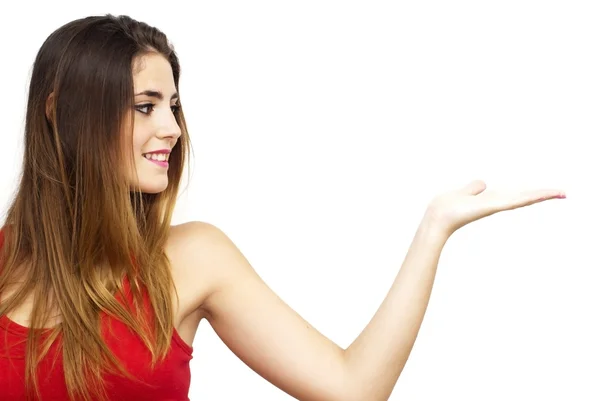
(455, 209)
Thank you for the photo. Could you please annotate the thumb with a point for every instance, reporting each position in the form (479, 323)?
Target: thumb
(473, 188)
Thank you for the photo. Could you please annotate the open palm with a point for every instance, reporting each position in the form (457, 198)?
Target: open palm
(458, 208)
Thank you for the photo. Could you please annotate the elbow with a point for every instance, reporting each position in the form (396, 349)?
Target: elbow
(357, 389)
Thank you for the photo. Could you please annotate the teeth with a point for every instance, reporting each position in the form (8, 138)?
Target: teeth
(161, 157)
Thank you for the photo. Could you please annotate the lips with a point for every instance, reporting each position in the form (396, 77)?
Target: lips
(159, 163)
(161, 155)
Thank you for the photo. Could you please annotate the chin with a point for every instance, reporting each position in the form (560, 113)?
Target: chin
(153, 187)
(148, 181)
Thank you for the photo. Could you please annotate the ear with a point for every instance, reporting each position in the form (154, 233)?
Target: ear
(50, 106)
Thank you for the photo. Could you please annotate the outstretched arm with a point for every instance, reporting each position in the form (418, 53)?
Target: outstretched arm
(284, 349)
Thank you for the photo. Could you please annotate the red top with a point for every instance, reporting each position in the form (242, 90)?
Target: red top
(169, 381)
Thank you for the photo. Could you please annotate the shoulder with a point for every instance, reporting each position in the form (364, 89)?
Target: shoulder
(196, 244)
(191, 234)
(203, 259)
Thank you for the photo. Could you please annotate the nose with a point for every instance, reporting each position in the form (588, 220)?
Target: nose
(168, 127)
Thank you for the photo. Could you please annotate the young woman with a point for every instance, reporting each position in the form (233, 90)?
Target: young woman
(100, 297)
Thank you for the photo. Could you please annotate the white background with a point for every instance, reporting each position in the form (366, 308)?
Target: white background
(321, 130)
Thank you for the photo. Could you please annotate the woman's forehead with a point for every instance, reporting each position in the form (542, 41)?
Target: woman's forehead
(153, 72)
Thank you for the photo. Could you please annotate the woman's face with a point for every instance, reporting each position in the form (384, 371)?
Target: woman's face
(155, 130)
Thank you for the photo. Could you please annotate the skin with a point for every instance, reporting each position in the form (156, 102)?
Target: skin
(155, 127)
(215, 282)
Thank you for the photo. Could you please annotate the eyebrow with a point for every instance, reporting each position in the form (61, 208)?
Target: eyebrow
(157, 94)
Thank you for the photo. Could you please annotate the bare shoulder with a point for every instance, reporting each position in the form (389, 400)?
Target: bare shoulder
(199, 253)
(252, 320)
(187, 236)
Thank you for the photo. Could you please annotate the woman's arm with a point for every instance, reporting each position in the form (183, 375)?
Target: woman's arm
(284, 349)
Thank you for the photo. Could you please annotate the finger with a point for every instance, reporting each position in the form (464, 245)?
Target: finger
(499, 201)
(536, 196)
(547, 194)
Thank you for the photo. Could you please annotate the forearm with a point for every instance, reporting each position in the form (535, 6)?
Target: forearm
(376, 358)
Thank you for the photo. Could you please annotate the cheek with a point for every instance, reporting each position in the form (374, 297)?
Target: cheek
(132, 140)
(133, 150)
(140, 138)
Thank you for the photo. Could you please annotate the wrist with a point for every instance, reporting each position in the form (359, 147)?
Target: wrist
(433, 227)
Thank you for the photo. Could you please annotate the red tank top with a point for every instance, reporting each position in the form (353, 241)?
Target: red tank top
(169, 381)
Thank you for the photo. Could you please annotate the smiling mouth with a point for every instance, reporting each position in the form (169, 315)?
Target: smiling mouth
(157, 157)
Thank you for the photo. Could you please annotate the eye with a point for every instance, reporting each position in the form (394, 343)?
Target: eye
(148, 106)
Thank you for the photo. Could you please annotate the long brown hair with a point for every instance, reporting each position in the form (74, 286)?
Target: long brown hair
(75, 222)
